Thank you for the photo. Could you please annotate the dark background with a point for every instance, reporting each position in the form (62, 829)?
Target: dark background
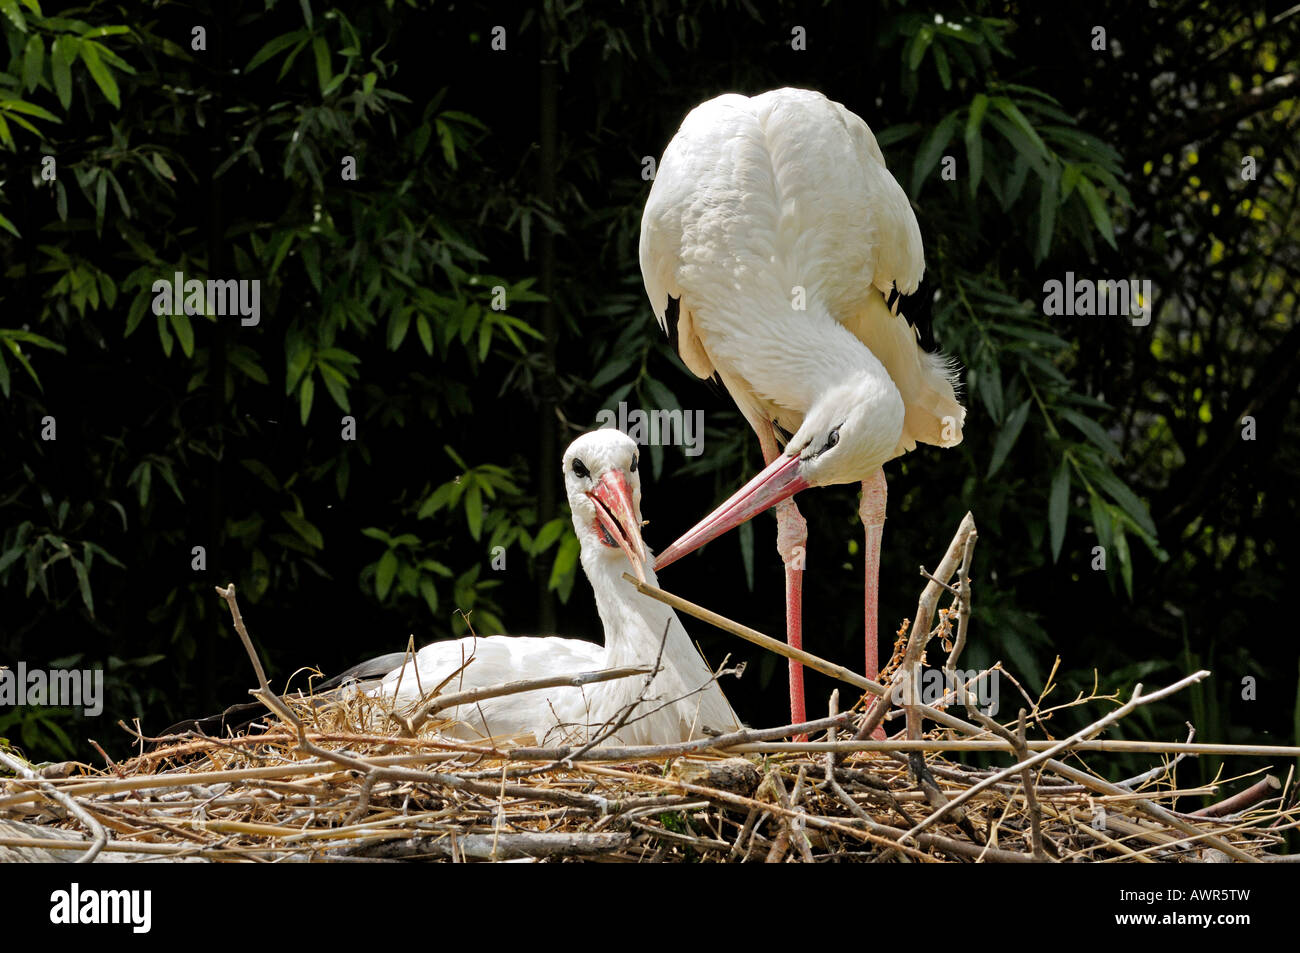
(522, 167)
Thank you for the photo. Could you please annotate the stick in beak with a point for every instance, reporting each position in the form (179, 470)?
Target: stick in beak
(617, 517)
(779, 481)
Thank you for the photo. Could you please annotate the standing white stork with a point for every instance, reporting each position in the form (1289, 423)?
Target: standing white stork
(777, 252)
(604, 490)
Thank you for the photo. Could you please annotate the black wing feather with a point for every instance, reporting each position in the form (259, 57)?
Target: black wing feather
(244, 715)
(918, 309)
(672, 316)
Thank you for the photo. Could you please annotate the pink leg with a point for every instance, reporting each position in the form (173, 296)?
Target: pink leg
(791, 540)
(872, 511)
(791, 543)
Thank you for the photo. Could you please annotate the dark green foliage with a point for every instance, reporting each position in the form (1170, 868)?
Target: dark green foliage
(377, 302)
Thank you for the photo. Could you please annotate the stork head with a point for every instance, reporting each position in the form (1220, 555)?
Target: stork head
(604, 489)
(846, 435)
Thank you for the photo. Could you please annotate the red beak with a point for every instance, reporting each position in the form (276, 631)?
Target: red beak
(616, 516)
(780, 481)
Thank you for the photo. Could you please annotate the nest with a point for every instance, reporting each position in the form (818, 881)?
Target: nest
(320, 782)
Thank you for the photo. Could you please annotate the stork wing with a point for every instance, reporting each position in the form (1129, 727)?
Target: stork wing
(661, 251)
(756, 195)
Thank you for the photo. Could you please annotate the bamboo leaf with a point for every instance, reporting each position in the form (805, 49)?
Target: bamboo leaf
(920, 43)
(1047, 202)
(928, 155)
(1058, 507)
(30, 109)
(430, 593)
(385, 573)
(83, 583)
(62, 52)
(305, 396)
(941, 64)
(1125, 559)
(474, 511)
(272, 47)
(322, 53)
(565, 561)
(184, 330)
(1007, 437)
(100, 73)
(15, 16)
(1092, 430)
(304, 528)
(163, 168)
(1126, 498)
(1097, 209)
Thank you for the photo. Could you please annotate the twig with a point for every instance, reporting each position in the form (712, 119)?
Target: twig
(440, 703)
(1137, 700)
(1151, 808)
(272, 701)
(733, 743)
(1159, 770)
(99, 836)
(745, 829)
(822, 823)
(925, 574)
(906, 678)
(496, 847)
(758, 638)
(963, 600)
(620, 718)
(780, 846)
(730, 741)
(910, 670)
(1031, 799)
(699, 843)
(989, 744)
(1265, 788)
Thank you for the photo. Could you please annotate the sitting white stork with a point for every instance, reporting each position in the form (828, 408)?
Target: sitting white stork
(778, 253)
(604, 490)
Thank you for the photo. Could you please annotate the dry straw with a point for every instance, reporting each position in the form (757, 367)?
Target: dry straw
(340, 779)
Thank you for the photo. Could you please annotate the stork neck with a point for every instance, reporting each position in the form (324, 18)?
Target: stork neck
(791, 363)
(833, 353)
(637, 630)
(634, 623)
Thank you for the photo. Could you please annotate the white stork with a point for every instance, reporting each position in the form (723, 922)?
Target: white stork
(604, 489)
(778, 253)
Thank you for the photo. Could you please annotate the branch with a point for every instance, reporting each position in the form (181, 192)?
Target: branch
(93, 826)
(758, 638)
(1137, 700)
(439, 703)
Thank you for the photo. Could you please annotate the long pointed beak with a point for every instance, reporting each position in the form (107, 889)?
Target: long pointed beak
(779, 481)
(617, 517)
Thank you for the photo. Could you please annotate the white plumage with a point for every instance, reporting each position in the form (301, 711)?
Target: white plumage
(757, 196)
(604, 491)
(773, 243)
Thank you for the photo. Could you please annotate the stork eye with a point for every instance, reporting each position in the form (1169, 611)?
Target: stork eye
(632, 468)
(832, 439)
(580, 468)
